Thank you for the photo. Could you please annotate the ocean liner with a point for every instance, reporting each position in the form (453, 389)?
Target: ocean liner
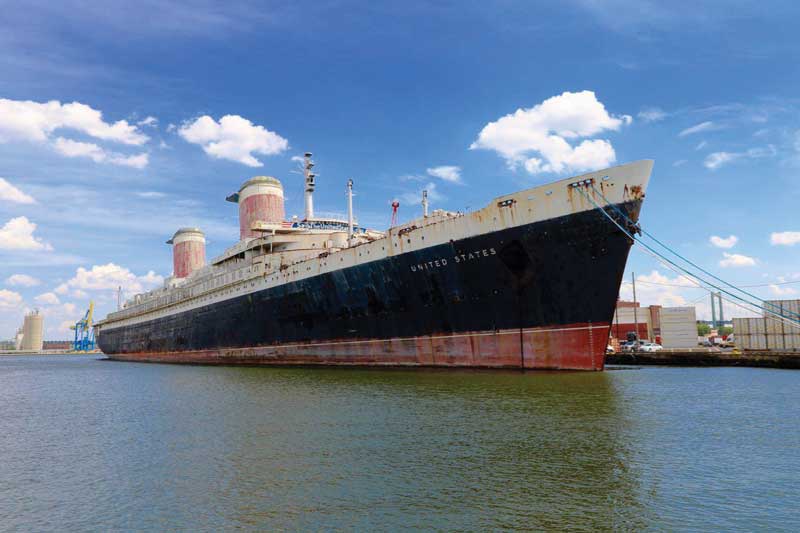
(529, 281)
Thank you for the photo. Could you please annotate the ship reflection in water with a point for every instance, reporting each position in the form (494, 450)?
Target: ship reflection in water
(108, 446)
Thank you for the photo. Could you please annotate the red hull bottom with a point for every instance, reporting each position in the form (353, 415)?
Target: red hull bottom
(569, 347)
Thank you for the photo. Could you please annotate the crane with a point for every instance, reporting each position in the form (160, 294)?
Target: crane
(84, 332)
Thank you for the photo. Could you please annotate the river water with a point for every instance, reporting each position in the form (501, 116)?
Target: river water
(89, 444)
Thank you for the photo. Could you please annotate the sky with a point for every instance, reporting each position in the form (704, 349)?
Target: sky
(121, 122)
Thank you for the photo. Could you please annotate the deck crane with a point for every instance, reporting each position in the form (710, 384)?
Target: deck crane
(84, 332)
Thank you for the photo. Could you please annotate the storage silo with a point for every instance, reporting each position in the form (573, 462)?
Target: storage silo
(33, 332)
(18, 339)
(260, 199)
(188, 251)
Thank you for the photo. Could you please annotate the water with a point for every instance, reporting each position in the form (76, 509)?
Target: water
(87, 444)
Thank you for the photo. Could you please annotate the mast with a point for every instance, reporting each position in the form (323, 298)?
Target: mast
(350, 212)
(424, 203)
(309, 192)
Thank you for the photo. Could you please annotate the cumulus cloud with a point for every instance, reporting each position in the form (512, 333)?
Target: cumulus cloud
(234, 138)
(651, 114)
(70, 148)
(736, 260)
(47, 298)
(148, 121)
(36, 122)
(537, 138)
(17, 234)
(63, 314)
(109, 277)
(698, 128)
(656, 288)
(785, 238)
(778, 290)
(9, 299)
(22, 280)
(717, 159)
(446, 172)
(726, 242)
(9, 193)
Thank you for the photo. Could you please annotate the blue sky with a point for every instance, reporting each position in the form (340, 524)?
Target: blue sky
(385, 93)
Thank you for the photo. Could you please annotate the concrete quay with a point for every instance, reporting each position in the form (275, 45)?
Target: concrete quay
(764, 359)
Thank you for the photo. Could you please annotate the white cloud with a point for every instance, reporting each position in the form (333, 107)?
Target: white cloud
(680, 162)
(148, 121)
(727, 242)
(10, 193)
(63, 314)
(736, 260)
(47, 298)
(34, 121)
(415, 198)
(109, 277)
(446, 172)
(17, 234)
(536, 138)
(70, 148)
(22, 280)
(9, 299)
(150, 194)
(697, 128)
(785, 238)
(651, 114)
(701, 145)
(657, 289)
(234, 138)
(778, 290)
(717, 159)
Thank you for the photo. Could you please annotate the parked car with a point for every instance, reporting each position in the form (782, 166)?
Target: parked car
(651, 347)
(630, 346)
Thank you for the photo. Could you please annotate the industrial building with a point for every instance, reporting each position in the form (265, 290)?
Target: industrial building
(672, 327)
(770, 333)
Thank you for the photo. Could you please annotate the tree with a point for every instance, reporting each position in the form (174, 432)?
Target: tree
(724, 330)
(703, 329)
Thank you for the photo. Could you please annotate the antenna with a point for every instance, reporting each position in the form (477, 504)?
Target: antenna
(425, 203)
(350, 212)
(309, 191)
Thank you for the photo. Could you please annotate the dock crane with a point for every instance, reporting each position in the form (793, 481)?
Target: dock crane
(84, 332)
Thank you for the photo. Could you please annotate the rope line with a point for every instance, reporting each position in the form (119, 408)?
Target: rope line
(625, 216)
(697, 279)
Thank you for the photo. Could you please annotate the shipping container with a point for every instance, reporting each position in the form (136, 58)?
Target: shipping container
(678, 327)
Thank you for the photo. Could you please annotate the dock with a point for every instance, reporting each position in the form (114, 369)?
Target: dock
(764, 359)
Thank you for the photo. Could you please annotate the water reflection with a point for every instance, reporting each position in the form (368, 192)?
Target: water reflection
(368, 449)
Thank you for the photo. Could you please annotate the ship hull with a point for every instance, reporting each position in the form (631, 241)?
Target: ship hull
(535, 296)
